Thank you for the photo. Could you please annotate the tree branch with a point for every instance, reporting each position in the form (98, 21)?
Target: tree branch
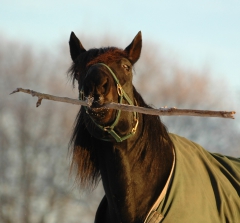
(131, 108)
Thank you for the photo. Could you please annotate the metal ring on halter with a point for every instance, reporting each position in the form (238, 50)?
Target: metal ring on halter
(119, 90)
(135, 127)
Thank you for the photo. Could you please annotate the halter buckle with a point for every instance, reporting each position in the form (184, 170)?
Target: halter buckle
(119, 90)
(135, 127)
(107, 128)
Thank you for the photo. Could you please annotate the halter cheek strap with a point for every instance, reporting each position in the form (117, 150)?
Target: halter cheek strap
(121, 94)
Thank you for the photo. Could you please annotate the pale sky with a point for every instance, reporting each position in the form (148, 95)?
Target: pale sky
(199, 32)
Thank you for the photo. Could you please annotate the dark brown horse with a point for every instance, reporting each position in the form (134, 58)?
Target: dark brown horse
(133, 154)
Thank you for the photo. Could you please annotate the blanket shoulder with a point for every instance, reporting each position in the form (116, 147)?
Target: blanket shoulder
(205, 186)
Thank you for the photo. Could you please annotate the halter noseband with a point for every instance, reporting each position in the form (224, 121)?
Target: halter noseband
(121, 94)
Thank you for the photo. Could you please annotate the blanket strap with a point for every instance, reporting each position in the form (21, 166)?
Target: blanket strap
(153, 215)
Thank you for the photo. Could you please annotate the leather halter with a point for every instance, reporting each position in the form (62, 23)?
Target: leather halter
(121, 95)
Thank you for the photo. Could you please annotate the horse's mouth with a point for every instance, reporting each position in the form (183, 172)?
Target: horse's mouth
(98, 112)
(102, 116)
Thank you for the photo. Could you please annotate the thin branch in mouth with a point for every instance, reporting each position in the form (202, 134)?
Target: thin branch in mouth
(89, 100)
(101, 100)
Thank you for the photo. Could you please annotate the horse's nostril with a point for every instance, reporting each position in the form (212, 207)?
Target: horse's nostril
(104, 87)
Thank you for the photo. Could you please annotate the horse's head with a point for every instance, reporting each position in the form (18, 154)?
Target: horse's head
(105, 75)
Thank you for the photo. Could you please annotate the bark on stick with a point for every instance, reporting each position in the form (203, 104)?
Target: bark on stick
(131, 108)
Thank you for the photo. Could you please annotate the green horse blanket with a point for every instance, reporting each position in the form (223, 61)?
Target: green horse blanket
(204, 187)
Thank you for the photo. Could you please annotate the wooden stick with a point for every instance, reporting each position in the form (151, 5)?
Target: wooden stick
(131, 108)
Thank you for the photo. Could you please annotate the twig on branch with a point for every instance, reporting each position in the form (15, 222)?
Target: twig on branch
(130, 108)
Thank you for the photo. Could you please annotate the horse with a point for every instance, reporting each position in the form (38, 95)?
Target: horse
(148, 174)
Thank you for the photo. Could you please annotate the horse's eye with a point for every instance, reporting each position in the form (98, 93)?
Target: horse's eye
(126, 67)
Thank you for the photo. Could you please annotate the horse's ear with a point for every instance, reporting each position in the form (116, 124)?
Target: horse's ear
(134, 49)
(76, 46)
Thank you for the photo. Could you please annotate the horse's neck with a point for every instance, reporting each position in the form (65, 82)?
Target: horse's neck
(132, 177)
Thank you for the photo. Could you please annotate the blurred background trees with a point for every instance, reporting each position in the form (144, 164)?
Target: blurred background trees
(35, 186)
